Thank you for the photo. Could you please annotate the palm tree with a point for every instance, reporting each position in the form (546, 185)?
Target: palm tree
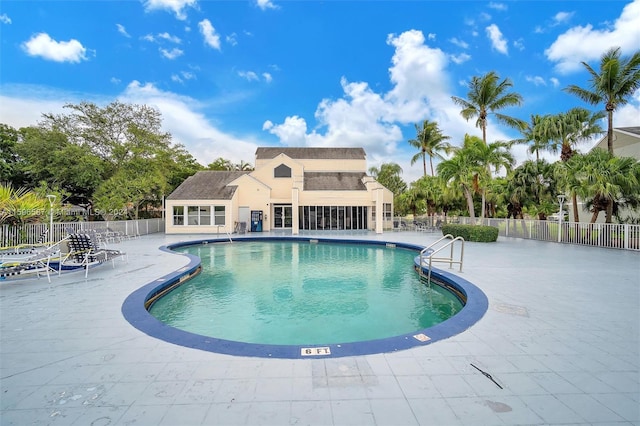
(532, 136)
(617, 81)
(388, 175)
(487, 95)
(602, 179)
(564, 131)
(429, 141)
(460, 171)
(495, 155)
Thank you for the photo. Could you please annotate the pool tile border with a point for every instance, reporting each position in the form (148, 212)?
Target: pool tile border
(137, 315)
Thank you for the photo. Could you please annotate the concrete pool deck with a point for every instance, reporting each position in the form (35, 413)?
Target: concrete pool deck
(561, 336)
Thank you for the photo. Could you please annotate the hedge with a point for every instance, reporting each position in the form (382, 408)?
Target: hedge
(477, 233)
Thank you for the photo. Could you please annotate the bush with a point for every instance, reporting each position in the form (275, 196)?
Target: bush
(477, 233)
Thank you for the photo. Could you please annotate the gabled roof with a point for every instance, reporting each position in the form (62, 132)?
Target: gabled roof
(334, 181)
(207, 185)
(312, 153)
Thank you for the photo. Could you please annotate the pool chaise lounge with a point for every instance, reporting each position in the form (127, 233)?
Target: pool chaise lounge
(85, 252)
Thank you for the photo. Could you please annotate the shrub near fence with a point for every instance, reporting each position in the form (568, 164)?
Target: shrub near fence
(477, 233)
(31, 233)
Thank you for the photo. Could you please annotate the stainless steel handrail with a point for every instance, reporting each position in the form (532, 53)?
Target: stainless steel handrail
(430, 251)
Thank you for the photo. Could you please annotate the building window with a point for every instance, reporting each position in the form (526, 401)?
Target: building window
(282, 171)
(198, 215)
(219, 217)
(386, 207)
(332, 217)
(178, 215)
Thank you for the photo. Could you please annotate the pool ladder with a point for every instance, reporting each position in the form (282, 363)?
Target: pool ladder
(428, 255)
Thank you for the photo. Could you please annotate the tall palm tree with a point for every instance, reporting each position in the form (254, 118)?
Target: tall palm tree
(495, 155)
(617, 81)
(429, 141)
(487, 95)
(564, 131)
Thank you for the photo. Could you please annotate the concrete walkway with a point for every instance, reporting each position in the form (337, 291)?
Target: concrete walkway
(561, 336)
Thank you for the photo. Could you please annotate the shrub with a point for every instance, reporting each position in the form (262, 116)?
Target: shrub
(477, 233)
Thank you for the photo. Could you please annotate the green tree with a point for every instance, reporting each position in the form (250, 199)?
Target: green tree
(531, 136)
(8, 155)
(564, 131)
(429, 141)
(488, 95)
(616, 82)
(602, 179)
(532, 186)
(462, 171)
(221, 164)
(388, 175)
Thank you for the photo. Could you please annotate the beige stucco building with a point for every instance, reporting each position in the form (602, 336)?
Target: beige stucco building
(290, 189)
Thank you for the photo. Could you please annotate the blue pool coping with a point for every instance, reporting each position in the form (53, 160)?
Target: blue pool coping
(135, 312)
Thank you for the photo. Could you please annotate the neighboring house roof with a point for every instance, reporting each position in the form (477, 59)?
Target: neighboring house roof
(312, 153)
(207, 185)
(334, 181)
(626, 142)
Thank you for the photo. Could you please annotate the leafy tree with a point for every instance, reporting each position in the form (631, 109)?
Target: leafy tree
(8, 155)
(617, 81)
(532, 186)
(461, 171)
(388, 175)
(603, 179)
(48, 156)
(563, 131)
(429, 141)
(220, 164)
(110, 132)
(486, 96)
(20, 206)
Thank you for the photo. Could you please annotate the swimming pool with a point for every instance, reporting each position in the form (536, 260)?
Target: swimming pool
(295, 296)
(297, 293)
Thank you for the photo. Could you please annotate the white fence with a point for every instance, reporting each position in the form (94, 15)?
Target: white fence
(607, 235)
(32, 233)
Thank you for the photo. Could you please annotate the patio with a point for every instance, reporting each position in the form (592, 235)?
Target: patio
(561, 336)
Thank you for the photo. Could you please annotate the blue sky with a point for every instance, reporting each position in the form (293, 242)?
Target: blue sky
(229, 76)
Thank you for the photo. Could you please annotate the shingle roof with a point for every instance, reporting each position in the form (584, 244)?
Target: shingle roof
(334, 181)
(312, 153)
(634, 130)
(207, 185)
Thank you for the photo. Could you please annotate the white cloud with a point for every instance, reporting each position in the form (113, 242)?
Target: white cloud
(249, 75)
(176, 6)
(211, 38)
(562, 17)
(115, 80)
(265, 4)
(4, 18)
(267, 77)
(122, 30)
(181, 117)
(459, 43)
(362, 117)
(518, 44)
(232, 39)
(169, 37)
(44, 46)
(431, 37)
(498, 42)
(171, 54)
(555, 82)
(536, 80)
(149, 37)
(584, 43)
(461, 58)
(498, 6)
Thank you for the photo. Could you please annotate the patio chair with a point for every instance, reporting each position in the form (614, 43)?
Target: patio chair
(85, 252)
(26, 249)
(36, 264)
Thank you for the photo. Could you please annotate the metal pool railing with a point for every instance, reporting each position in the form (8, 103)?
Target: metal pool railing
(428, 253)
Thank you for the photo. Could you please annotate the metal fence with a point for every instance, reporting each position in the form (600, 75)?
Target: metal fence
(607, 235)
(39, 232)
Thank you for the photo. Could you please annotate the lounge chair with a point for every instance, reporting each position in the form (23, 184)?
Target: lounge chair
(85, 252)
(37, 264)
(26, 249)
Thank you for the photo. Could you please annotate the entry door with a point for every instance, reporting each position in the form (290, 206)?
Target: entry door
(282, 216)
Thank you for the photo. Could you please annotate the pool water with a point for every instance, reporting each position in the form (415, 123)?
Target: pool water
(301, 293)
